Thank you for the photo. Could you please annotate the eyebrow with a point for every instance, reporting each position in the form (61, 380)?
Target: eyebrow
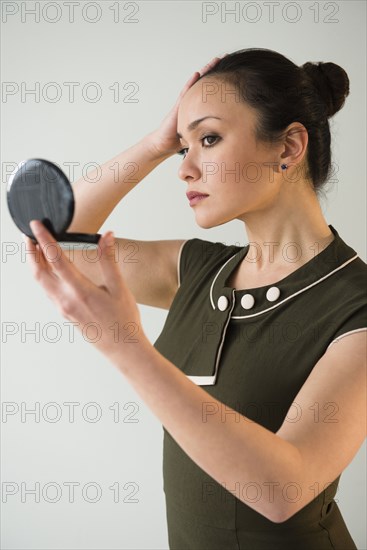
(196, 123)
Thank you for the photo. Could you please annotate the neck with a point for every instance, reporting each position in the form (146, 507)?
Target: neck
(287, 234)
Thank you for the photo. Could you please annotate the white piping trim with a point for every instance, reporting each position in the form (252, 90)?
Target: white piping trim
(215, 278)
(202, 380)
(346, 334)
(178, 263)
(210, 380)
(223, 335)
(294, 294)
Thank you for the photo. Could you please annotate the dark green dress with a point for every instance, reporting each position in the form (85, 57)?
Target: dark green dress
(253, 353)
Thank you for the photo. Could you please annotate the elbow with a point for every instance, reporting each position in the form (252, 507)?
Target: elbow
(283, 507)
(277, 512)
(284, 498)
(281, 513)
(288, 496)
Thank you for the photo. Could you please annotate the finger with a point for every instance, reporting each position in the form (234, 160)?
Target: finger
(188, 85)
(212, 61)
(54, 257)
(41, 270)
(111, 273)
(36, 258)
(209, 65)
(197, 75)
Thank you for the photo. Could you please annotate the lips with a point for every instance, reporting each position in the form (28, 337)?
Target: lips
(192, 194)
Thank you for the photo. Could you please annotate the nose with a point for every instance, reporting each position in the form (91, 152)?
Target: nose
(189, 169)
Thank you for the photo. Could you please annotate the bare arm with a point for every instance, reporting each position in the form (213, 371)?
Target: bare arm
(236, 452)
(150, 268)
(94, 202)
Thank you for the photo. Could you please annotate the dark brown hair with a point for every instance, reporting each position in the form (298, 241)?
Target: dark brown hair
(283, 92)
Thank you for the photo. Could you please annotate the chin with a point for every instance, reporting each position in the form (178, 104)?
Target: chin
(205, 225)
(207, 222)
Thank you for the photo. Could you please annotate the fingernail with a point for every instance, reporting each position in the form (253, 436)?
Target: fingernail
(34, 224)
(110, 237)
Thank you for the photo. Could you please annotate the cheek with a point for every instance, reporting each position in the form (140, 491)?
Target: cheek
(236, 191)
(247, 174)
(234, 177)
(235, 165)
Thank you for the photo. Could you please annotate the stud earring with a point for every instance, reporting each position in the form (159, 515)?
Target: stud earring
(283, 166)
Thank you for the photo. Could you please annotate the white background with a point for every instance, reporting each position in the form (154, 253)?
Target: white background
(159, 51)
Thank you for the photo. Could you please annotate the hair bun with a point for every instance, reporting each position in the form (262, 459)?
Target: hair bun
(332, 84)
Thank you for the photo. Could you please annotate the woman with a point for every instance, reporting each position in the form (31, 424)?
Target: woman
(258, 375)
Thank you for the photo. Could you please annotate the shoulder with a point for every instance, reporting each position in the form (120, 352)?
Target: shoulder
(349, 274)
(345, 305)
(353, 275)
(349, 283)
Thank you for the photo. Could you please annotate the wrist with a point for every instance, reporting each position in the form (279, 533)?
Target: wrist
(129, 354)
(153, 144)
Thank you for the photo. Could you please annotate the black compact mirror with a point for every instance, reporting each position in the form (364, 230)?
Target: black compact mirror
(39, 190)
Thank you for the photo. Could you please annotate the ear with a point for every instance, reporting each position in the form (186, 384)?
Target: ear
(295, 145)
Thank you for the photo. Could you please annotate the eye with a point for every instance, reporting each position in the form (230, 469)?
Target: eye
(183, 151)
(211, 137)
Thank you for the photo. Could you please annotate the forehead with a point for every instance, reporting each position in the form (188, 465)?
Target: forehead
(212, 96)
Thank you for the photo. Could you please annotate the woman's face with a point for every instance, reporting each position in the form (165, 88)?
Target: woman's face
(221, 157)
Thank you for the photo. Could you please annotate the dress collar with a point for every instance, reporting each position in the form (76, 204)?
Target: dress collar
(257, 301)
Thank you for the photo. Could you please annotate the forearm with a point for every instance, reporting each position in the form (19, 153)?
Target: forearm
(235, 452)
(95, 200)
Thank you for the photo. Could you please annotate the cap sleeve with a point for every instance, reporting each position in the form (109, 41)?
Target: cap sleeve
(194, 256)
(356, 322)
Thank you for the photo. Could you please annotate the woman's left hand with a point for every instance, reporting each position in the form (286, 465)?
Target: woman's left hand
(107, 315)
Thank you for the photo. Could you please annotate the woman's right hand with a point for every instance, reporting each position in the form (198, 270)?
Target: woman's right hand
(164, 140)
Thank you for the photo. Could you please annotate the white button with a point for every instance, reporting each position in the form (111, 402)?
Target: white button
(222, 303)
(247, 301)
(273, 293)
